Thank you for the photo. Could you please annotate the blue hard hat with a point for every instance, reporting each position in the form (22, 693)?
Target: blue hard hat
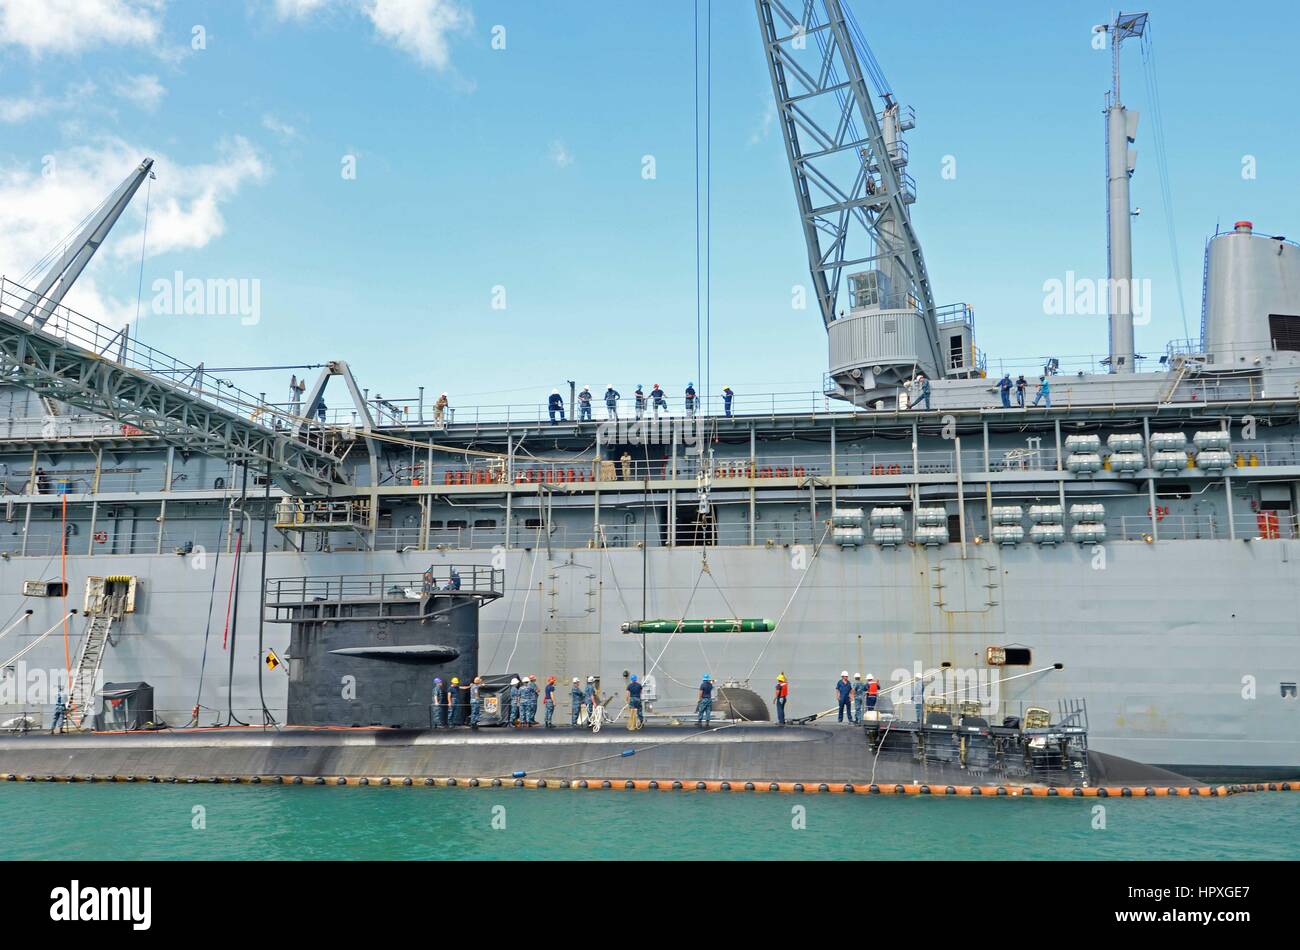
(706, 675)
(437, 679)
(633, 677)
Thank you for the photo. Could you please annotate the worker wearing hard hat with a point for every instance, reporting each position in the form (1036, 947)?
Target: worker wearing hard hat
(635, 719)
(727, 396)
(584, 404)
(439, 705)
(612, 396)
(555, 406)
(859, 696)
(704, 705)
(575, 697)
(639, 396)
(657, 400)
(844, 693)
(690, 399)
(548, 703)
(589, 696)
(510, 709)
(873, 692)
(530, 699)
(782, 693)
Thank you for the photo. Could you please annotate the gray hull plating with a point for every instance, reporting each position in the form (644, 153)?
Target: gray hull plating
(1176, 667)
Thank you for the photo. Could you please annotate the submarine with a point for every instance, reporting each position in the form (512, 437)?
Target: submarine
(363, 653)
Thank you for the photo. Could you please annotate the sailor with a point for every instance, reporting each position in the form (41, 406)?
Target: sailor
(921, 386)
(584, 404)
(612, 396)
(704, 705)
(439, 703)
(555, 406)
(690, 399)
(625, 463)
(548, 701)
(844, 691)
(782, 694)
(576, 697)
(453, 697)
(321, 411)
(639, 396)
(530, 699)
(873, 691)
(440, 410)
(657, 400)
(1004, 387)
(510, 709)
(1044, 392)
(475, 703)
(859, 695)
(60, 713)
(296, 388)
(454, 582)
(1021, 385)
(727, 396)
(635, 719)
(589, 696)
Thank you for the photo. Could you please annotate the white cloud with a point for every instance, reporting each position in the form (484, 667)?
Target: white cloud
(21, 109)
(144, 90)
(421, 28)
(279, 127)
(766, 125)
(70, 26)
(560, 155)
(185, 211)
(35, 104)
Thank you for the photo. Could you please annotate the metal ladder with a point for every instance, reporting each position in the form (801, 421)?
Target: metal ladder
(1172, 391)
(81, 692)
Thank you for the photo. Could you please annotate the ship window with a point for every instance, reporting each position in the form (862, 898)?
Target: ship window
(485, 523)
(1284, 329)
(435, 524)
(533, 524)
(1017, 656)
(457, 524)
(1177, 491)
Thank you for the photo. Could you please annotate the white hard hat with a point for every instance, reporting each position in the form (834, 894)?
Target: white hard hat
(591, 679)
(575, 679)
(871, 676)
(555, 391)
(514, 681)
(844, 672)
(610, 386)
(588, 386)
(857, 676)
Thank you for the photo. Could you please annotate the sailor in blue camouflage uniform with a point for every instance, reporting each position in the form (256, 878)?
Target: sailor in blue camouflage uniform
(575, 697)
(439, 703)
(859, 696)
(589, 696)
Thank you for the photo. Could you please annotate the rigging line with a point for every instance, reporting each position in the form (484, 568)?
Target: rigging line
(1162, 168)
(698, 348)
(817, 550)
(523, 610)
(144, 239)
(207, 629)
(677, 629)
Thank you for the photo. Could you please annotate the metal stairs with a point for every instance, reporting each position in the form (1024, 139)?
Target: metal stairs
(81, 692)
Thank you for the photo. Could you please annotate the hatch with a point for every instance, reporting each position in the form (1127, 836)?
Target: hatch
(110, 596)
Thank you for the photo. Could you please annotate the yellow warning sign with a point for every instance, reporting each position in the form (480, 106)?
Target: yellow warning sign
(272, 661)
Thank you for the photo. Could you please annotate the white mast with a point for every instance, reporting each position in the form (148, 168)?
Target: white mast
(1121, 131)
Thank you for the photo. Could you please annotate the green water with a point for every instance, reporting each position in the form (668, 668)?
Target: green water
(288, 823)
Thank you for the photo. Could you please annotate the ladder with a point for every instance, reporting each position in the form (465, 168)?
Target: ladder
(1172, 391)
(81, 691)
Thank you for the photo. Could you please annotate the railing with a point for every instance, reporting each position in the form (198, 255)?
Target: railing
(78, 330)
(296, 592)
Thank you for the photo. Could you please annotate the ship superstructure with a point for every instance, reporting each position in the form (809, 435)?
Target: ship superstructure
(1133, 542)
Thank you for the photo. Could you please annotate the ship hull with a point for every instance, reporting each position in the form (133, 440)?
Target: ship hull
(1183, 652)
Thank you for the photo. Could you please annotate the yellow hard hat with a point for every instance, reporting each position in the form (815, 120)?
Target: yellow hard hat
(781, 678)
(455, 680)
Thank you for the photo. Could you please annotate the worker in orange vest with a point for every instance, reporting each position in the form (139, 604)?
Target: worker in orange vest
(782, 694)
(873, 691)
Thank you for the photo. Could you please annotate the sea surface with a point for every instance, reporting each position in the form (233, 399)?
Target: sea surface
(220, 822)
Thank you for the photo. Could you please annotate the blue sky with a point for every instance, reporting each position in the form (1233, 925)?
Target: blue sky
(521, 168)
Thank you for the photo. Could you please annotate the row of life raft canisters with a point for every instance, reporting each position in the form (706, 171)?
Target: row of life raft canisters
(1047, 528)
(1170, 452)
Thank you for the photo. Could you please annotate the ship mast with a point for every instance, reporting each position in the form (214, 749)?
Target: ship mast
(1121, 131)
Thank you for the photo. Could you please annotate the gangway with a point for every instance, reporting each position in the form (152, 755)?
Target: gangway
(82, 689)
(63, 357)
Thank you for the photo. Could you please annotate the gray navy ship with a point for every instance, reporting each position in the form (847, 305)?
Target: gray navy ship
(1124, 533)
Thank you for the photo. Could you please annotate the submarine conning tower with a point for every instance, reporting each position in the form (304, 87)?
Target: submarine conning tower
(1251, 314)
(364, 648)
